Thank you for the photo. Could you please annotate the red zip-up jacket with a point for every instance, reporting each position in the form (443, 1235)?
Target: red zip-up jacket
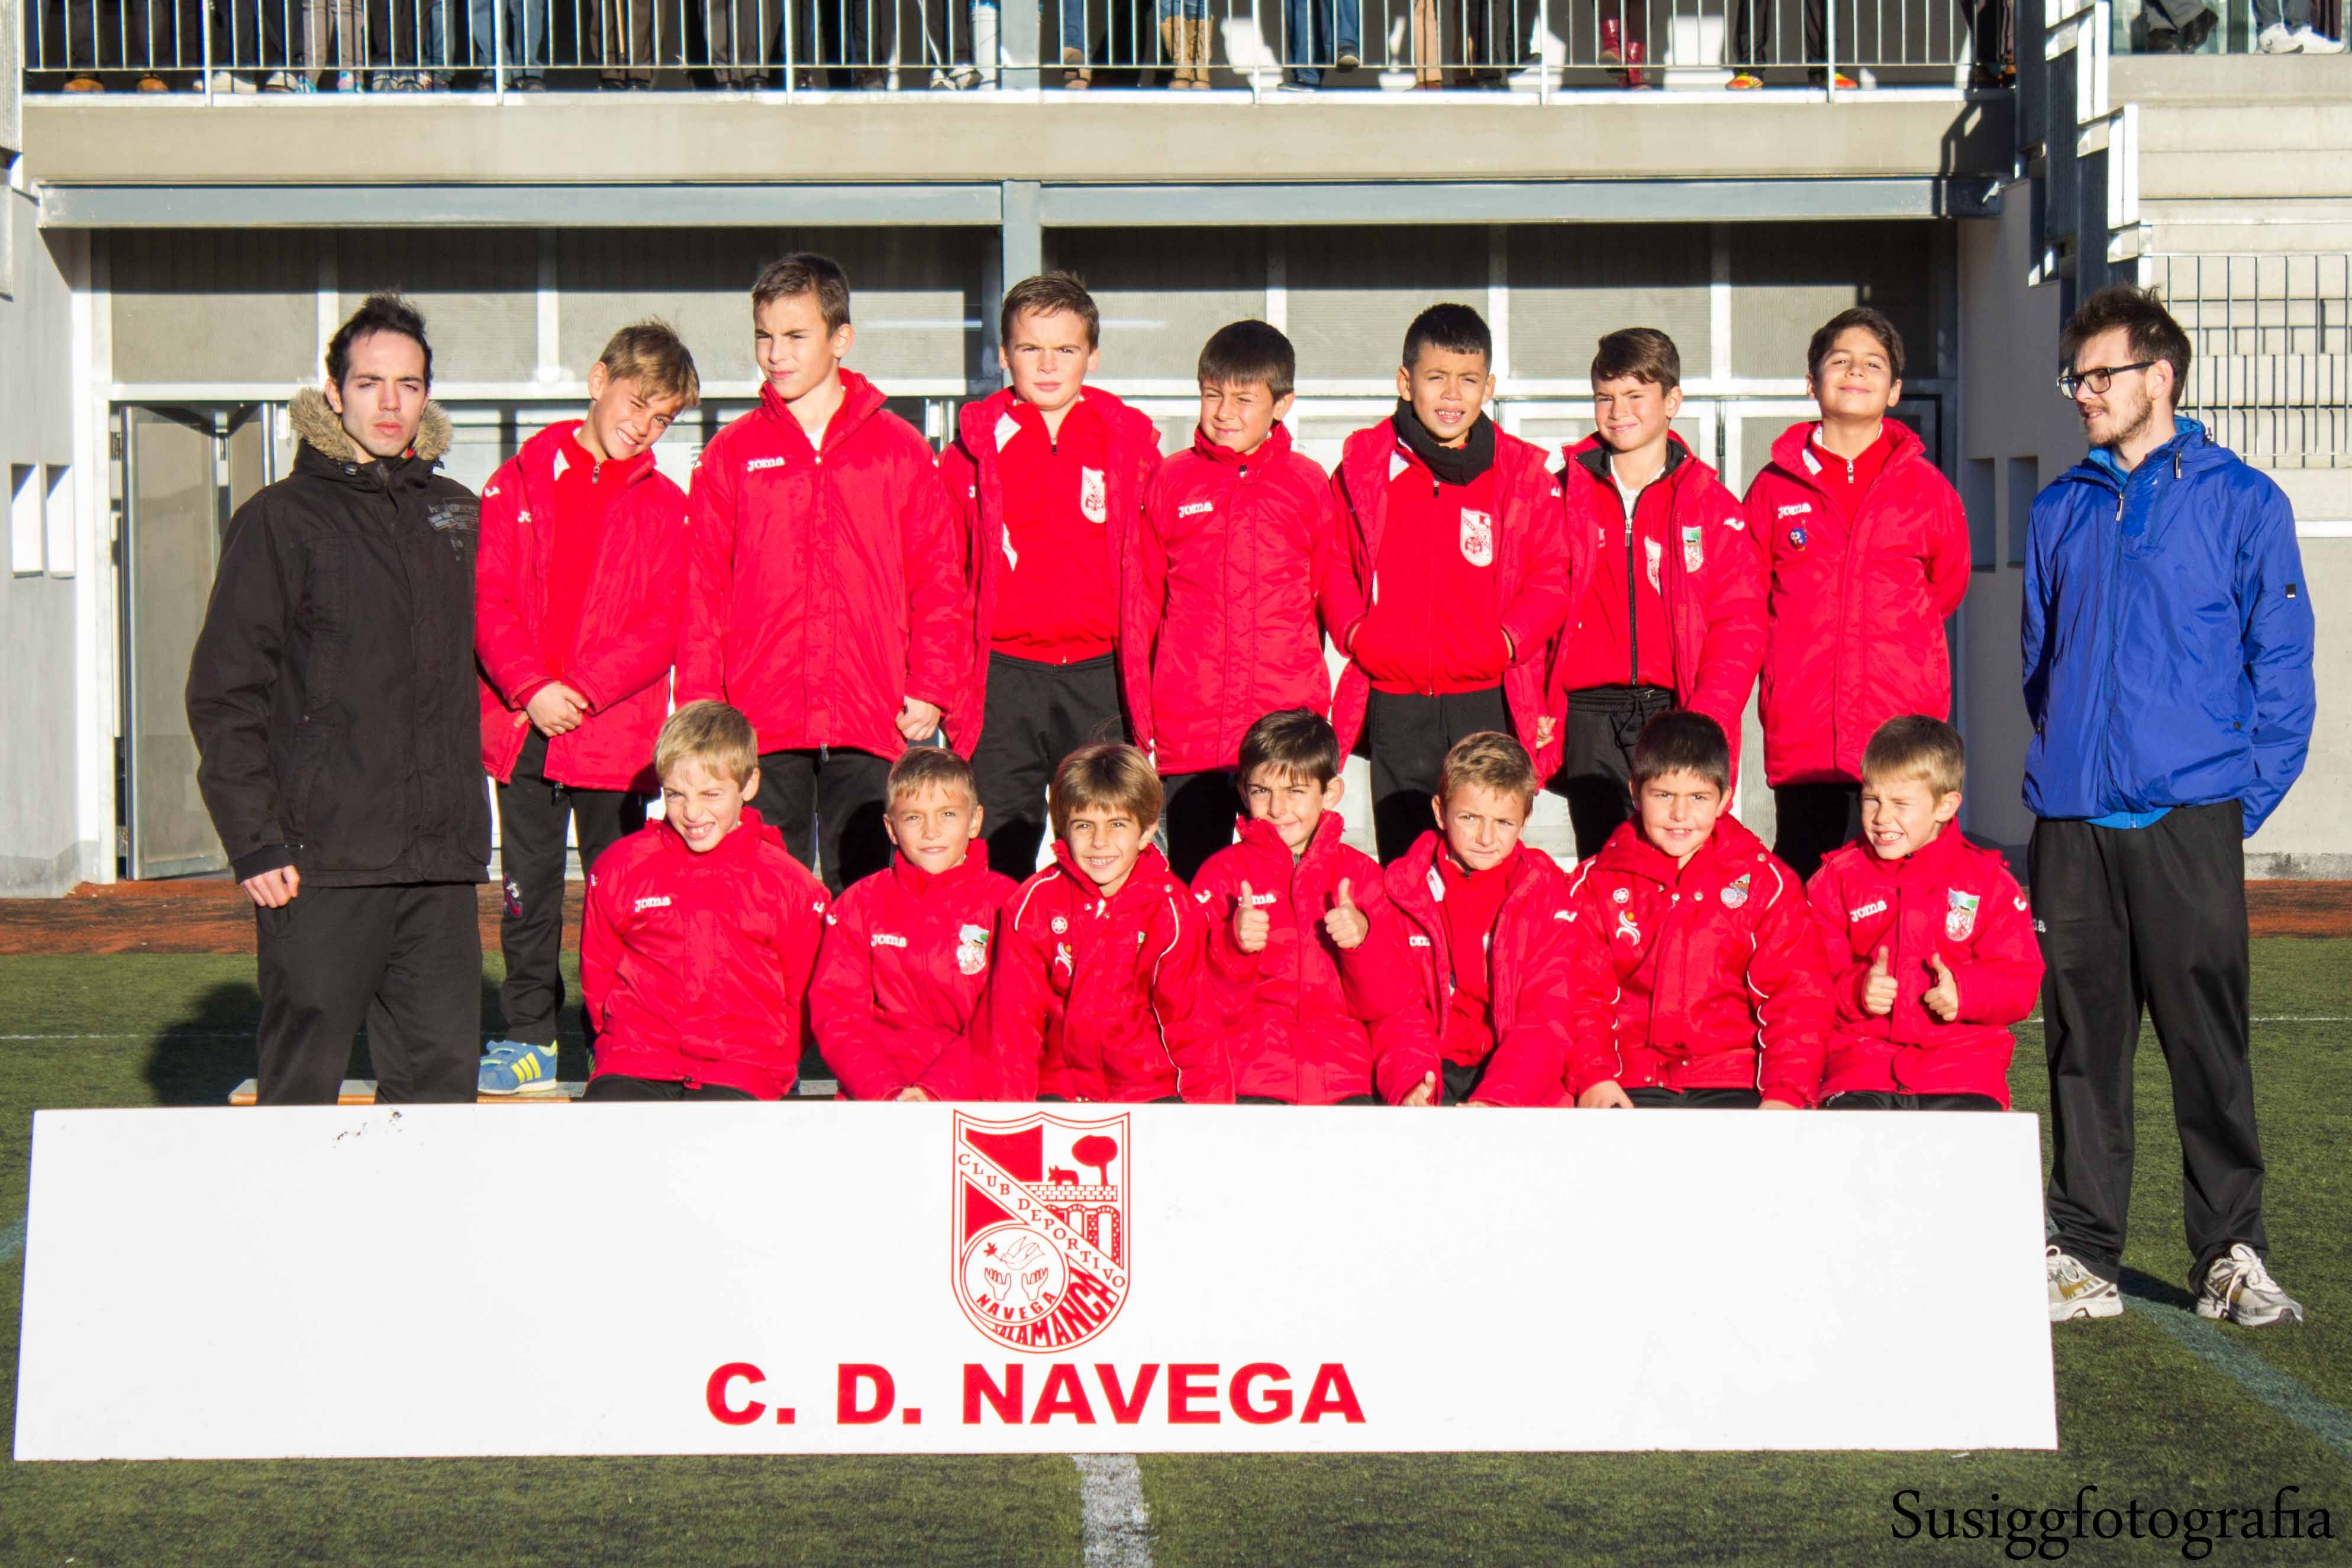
(1240, 557)
(627, 635)
(1709, 576)
(1949, 898)
(1527, 959)
(1307, 1021)
(973, 485)
(1531, 573)
(1855, 616)
(828, 586)
(1096, 998)
(696, 967)
(1712, 976)
(899, 978)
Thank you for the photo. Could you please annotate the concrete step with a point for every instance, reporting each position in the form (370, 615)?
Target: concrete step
(2175, 79)
(2220, 226)
(2248, 127)
(2317, 494)
(2225, 171)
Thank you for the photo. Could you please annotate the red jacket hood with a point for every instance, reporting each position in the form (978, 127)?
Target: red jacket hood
(860, 399)
(1143, 881)
(1630, 852)
(749, 832)
(1122, 421)
(1578, 454)
(1272, 449)
(537, 456)
(920, 883)
(1789, 448)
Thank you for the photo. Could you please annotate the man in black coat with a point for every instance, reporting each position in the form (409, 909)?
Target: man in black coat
(334, 703)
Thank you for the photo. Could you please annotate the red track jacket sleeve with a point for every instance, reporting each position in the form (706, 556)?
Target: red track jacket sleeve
(1786, 976)
(710, 581)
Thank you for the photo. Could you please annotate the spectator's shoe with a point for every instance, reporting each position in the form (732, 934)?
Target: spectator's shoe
(1611, 50)
(150, 82)
(512, 1068)
(1076, 78)
(1822, 79)
(1349, 58)
(1634, 78)
(1204, 47)
(282, 82)
(84, 84)
(2276, 40)
(2238, 1290)
(235, 81)
(2076, 1292)
(347, 81)
(2313, 42)
(1745, 82)
(530, 84)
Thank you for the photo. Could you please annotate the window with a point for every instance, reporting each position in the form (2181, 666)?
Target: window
(58, 518)
(24, 545)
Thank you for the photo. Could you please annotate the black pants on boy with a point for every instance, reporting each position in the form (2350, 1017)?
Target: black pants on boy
(533, 812)
(407, 959)
(1198, 818)
(1656, 1097)
(2152, 918)
(1037, 714)
(1889, 1100)
(614, 1090)
(1457, 1081)
(1752, 40)
(1596, 768)
(828, 803)
(1409, 737)
(1813, 819)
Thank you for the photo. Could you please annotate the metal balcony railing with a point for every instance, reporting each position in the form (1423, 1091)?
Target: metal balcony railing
(2273, 376)
(1538, 46)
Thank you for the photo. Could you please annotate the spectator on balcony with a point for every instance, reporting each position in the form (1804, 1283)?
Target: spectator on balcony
(2175, 27)
(517, 40)
(1186, 44)
(1495, 41)
(1318, 31)
(739, 33)
(2284, 28)
(625, 44)
(950, 72)
(86, 38)
(248, 47)
(1752, 33)
(1624, 42)
(333, 38)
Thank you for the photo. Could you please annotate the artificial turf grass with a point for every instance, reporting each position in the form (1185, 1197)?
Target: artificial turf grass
(2139, 1412)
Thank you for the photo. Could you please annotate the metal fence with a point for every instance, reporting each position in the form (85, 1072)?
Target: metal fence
(1261, 45)
(2274, 339)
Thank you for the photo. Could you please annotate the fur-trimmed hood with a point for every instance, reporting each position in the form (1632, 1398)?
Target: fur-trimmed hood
(316, 422)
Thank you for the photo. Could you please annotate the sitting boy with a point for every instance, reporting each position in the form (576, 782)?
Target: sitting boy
(1306, 953)
(1098, 956)
(905, 960)
(1481, 912)
(1698, 964)
(700, 932)
(1940, 955)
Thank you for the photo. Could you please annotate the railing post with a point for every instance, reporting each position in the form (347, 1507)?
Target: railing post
(205, 44)
(1829, 42)
(499, 50)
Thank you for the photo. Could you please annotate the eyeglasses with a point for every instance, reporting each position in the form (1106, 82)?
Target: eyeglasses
(2099, 380)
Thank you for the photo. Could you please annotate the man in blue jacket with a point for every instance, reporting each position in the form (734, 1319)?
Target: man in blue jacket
(2168, 673)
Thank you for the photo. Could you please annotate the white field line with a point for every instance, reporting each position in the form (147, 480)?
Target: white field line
(1117, 1521)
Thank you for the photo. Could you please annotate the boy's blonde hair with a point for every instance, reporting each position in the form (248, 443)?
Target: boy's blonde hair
(1914, 746)
(651, 353)
(1105, 773)
(929, 767)
(1492, 761)
(711, 733)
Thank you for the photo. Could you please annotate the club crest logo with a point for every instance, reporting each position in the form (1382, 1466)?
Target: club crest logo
(1094, 495)
(1736, 893)
(971, 949)
(1797, 539)
(1041, 1243)
(1477, 538)
(1693, 548)
(1626, 927)
(1960, 914)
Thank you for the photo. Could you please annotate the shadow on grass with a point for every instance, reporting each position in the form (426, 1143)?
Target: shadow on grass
(199, 1058)
(2149, 1287)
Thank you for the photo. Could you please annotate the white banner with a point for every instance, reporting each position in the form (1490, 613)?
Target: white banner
(874, 1278)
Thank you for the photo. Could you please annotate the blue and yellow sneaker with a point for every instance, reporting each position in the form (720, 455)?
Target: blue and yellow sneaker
(509, 1066)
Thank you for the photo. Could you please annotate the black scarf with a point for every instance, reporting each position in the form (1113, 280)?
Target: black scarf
(1451, 465)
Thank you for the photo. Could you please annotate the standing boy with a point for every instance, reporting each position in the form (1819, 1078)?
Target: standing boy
(1482, 912)
(1049, 478)
(1319, 998)
(584, 551)
(828, 595)
(906, 953)
(1240, 553)
(1698, 966)
(1939, 956)
(1866, 548)
(1669, 594)
(1459, 556)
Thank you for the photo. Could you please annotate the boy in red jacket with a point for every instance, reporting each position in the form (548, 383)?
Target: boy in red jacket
(1241, 572)
(1459, 556)
(1699, 968)
(701, 932)
(827, 597)
(1306, 956)
(906, 953)
(1669, 593)
(575, 628)
(1940, 956)
(1866, 551)
(1048, 476)
(1482, 912)
(1098, 956)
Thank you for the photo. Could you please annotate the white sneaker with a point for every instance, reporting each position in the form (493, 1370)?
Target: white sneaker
(2076, 1292)
(2238, 1290)
(2276, 40)
(2312, 41)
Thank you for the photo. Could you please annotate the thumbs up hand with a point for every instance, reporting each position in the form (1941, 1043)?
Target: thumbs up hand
(1345, 923)
(1251, 923)
(1878, 988)
(1943, 999)
(1423, 1093)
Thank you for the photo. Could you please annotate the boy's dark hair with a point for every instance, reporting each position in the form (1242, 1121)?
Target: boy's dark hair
(1299, 741)
(1644, 354)
(1247, 353)
(927, 767)
(1492, 761)
(1456, 329)
(386, 310)
(2149, 328)
(1682, 741)
(1106, 772)
(1914, 746)
(805, 272)
(1049, 294)
(1874, 322)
